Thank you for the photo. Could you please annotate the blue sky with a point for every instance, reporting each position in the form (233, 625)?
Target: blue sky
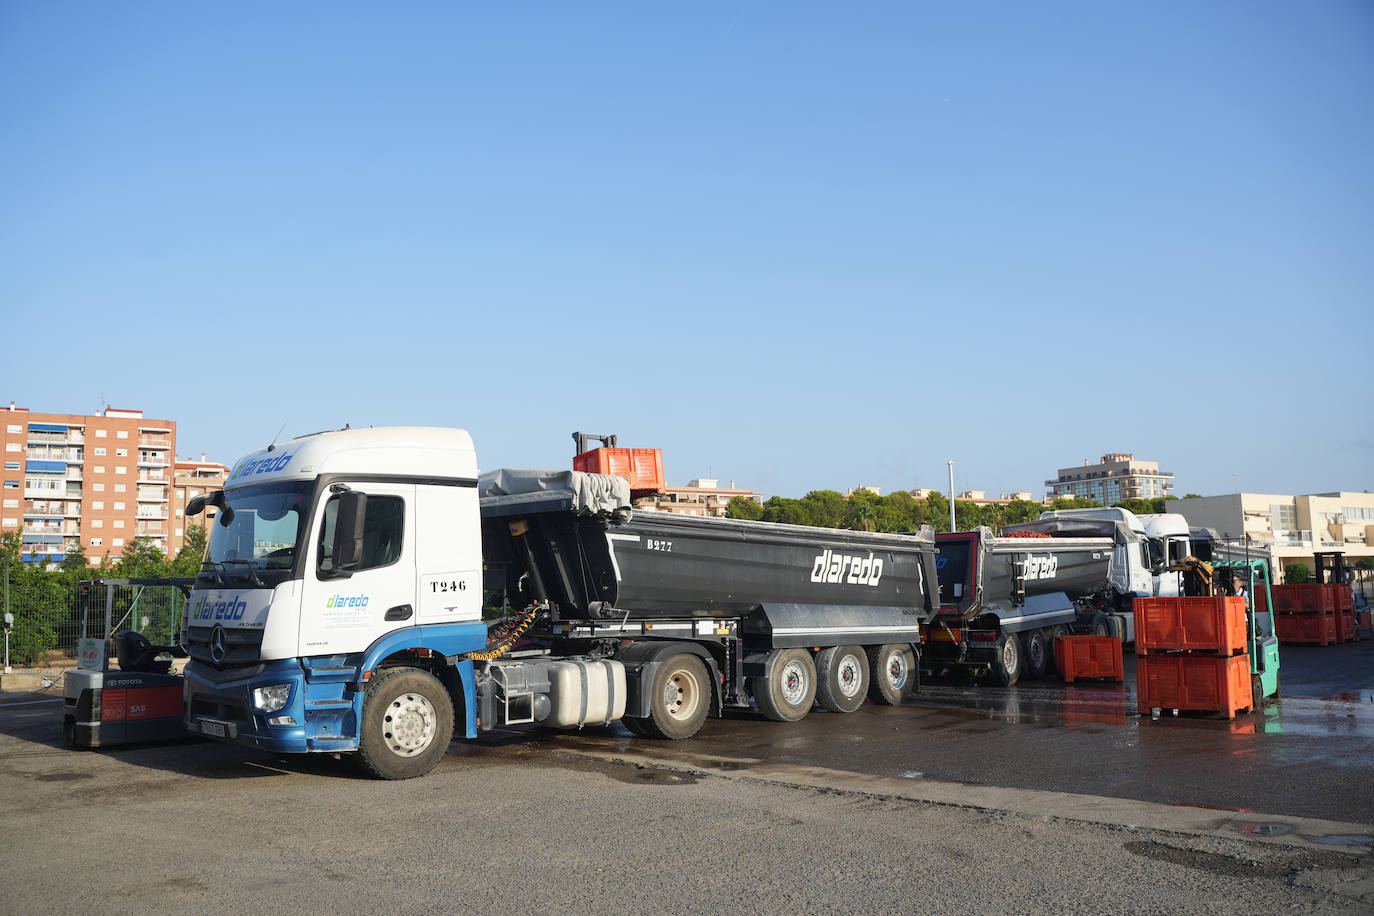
(795, 245)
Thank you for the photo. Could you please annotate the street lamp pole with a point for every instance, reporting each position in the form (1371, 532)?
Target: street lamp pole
(951, 495)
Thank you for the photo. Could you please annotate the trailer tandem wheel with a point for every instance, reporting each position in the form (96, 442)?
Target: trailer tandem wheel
(1006, 663)
(841, 678)
(1036, 657)
(786, 692)
(890, 669)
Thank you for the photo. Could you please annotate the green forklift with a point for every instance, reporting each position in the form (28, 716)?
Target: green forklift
(1248, 579)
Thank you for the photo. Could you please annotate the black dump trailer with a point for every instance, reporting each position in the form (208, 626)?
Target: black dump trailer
(1004, 599)
(727, 610)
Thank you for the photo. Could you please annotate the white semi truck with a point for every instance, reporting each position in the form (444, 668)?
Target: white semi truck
(340, 605)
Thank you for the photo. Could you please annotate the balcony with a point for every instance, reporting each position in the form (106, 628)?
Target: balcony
(154, 442)
(153, 461)
(43, 493)
(44, 437)
(158, 512)
(151, 496)
(152, 477)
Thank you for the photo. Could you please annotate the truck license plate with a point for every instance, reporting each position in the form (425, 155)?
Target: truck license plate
(214, 729)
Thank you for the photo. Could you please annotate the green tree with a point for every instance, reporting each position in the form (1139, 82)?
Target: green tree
(1021, 510)
(1192, 496)
(74, 560)
(1075, 502)
(188, 558)
(1296, 573)
(738, 507)
(1364, 563)
(142, 558)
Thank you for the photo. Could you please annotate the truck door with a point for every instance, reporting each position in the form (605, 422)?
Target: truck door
(345, 610)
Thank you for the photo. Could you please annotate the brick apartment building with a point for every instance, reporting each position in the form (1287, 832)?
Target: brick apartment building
(94, 481)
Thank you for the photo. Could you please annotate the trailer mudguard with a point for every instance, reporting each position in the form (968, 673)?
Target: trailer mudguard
(793, 626)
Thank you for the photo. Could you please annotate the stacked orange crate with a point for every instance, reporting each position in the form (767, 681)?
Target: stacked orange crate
(1346, 625)
(1306, 614)
(1191, 655)
(1088, 656)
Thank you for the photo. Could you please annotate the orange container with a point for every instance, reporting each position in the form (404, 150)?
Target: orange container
(1312, 629)
(1286, 600)
(643, 467)
(1345, 626)
(1201, 683)
(1214, 624)
(1343, 596)
(1088, 656)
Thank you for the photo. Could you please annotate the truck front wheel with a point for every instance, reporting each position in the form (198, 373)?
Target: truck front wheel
(841, 678)
(1006, 665)
(679, 699)
(786, 692)
(407, 724)
(890, 672)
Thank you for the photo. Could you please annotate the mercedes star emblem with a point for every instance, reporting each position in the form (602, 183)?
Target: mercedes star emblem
(218, 644)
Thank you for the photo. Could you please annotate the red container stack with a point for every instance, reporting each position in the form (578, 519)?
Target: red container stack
(1088, 656)
(1307, 614)
(1191, 655)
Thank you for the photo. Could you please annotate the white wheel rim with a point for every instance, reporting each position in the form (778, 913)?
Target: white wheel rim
(896, 670)
(680, 695)
(1009, 654)
(410, 725)
(794, 683)
(850, 676)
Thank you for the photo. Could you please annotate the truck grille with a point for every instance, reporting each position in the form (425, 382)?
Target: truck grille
(242, 647)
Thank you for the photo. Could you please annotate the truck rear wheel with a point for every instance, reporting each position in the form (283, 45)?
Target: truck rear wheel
(1006, 665)
(679, 699)
(407, 724)
(841, 678)
(890, 670)
(1036, 657)
(786, 692)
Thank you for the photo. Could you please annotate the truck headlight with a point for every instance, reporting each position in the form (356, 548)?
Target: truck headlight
(270, 699)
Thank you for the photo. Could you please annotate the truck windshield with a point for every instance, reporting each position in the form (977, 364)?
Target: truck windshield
(259, 542)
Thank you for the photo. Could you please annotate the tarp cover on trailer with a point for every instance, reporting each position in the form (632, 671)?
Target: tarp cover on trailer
(1075, 528)
(509, 491)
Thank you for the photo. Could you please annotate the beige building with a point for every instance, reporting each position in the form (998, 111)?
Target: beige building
(1118, 476)
(981, 498)
(191, 479)
(1287, 529)
(703, 496)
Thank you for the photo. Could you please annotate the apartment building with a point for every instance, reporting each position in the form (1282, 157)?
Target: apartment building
(702, 496)
(1118, 476)
(95, 481)
(1285, 528)
(189, 480)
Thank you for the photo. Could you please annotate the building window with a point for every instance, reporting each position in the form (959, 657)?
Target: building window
(122, 434)
(98, 469)
(13, 447)
(98, 487)
(121, 469)
(11, 522)
(178, 532)
(97, 505)
(100, 452)
(12, 484)
(97, 523)
(181, 494)
(120, 488)
(119, 523)
(117, 542)
(14, 429)
(119, 506)
(14, 504)
(95, 542)
(11, 465)
(121, 453)
(101, 434)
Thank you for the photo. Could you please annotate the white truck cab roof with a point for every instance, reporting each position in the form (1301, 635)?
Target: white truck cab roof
(403, 451)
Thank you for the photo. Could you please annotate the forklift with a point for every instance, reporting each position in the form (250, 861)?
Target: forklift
(1244, 578)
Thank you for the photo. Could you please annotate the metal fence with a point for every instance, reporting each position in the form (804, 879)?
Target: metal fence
(51, 617)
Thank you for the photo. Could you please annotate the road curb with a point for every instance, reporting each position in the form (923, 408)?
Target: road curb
(1268, 829)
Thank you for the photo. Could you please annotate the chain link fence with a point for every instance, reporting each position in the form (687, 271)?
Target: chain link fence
(51, 617)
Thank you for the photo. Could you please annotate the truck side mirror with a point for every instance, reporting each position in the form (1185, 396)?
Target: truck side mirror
(348, 529)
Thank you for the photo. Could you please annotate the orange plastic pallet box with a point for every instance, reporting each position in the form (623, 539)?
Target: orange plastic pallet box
(1312, 629)
(1214, 624)
(643, 467)
(1088, 656)
(1345, 598)
(1199, 683)
(1345, 627)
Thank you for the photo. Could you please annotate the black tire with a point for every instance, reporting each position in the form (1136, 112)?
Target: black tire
(1052, 633)
(786, 692)
(1006, 665)
(1035, 656)
(407, 724)
(891, 672)
(1099, 625)
(1256, 693)
(841, 678)
(679, 699)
